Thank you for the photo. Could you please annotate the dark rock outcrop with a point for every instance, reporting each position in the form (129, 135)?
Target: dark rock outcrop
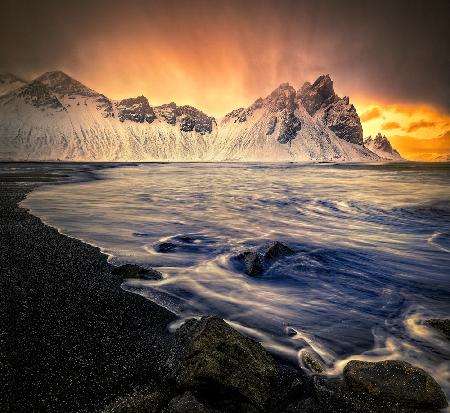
(38, 95)
(271, 126)
(338, 114)
(136, 110)
(342, 119)
(318, 95)
(103, 103)
(252, 262)
(224, 369)
(276, 250)
(165, 247)
(290, 125)
(136, 271)
(190, 118)
(395, 381)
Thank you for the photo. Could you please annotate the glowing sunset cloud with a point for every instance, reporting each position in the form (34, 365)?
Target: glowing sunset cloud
(219, 55)
(419, 132)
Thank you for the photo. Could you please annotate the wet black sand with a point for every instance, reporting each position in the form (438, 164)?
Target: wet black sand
(71, 338)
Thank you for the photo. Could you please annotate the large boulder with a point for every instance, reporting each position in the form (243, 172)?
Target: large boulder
(396, 381)
(252, 263)
(275, 250)
(223, 368)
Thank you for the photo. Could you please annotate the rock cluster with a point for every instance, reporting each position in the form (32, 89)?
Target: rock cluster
(254, 262)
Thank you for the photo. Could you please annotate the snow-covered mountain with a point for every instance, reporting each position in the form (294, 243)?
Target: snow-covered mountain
(382, 147)
(56, 117)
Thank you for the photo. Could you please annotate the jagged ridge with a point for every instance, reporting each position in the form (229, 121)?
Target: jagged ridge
(57, 117)
(382, 147)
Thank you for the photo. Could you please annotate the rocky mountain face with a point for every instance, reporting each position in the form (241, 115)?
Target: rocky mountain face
(320, 100)
(57, 117)
(382, 147)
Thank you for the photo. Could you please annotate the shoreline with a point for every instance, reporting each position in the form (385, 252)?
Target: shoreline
(73, 340)
(66, 310)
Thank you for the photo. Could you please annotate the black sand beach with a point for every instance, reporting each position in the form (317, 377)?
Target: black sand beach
(73, 341)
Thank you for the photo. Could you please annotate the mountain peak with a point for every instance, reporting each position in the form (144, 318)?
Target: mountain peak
(382, 147)
(318, 95)
(59, 82)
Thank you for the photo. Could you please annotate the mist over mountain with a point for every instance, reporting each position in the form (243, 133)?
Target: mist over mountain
(55, 117)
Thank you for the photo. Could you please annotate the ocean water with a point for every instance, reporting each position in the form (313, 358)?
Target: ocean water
(371, 242)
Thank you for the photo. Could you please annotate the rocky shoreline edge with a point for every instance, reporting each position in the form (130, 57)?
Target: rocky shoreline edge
(71, 340)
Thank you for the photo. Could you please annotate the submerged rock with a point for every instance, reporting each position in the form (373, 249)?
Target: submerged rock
(136, 271)
(223, 368)
(312, 363)
(165, 246)
(396, 381)
(277, 250)
(443, 326)
(252, 261)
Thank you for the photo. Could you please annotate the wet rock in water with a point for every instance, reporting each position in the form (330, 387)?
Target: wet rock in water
(224, 369)
(136, 271)
(165, 247)
(276, 250)
(291, 332)
(396, 381)
(441, 325)
(186, 238)
(312, 363)
(186, 403)
(252, 261)
(150, 402)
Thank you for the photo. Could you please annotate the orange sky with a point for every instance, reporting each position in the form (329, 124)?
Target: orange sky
(418, 132)
(218, 55)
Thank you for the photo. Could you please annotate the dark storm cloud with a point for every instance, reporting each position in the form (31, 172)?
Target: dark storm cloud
(391, 50)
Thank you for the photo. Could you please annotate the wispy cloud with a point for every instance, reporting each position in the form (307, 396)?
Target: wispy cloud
(390, 126)
(413, 126)
(371, 114)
